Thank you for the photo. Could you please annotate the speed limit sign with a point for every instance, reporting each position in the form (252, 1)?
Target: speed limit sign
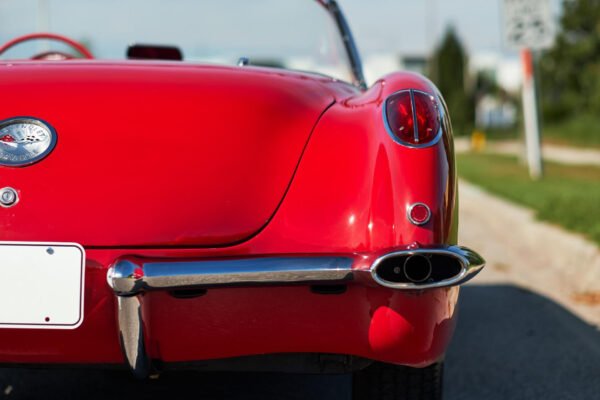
(528, 24)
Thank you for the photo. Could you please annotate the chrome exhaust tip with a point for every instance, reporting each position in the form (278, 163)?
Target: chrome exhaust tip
(426, 268)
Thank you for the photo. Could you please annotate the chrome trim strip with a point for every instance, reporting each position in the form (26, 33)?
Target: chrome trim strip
(414, 115)
(471, 263)
(390, 132)
(350, 45)
(131, 334)
(127, 278)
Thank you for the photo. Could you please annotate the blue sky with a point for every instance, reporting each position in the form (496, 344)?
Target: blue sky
(380, 26)
(413, 25)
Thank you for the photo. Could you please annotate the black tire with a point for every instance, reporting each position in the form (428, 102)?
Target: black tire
(381, 381)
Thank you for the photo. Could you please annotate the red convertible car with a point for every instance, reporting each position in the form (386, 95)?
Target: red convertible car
(254, 207)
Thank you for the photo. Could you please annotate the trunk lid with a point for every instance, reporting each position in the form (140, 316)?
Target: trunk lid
(156, 155)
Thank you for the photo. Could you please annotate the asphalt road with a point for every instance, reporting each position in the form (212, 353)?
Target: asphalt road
(510, 344)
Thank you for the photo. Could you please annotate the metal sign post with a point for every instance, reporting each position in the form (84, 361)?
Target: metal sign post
(528, 24)
(531, 117)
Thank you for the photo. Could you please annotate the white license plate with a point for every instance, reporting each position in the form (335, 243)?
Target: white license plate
(41, 285)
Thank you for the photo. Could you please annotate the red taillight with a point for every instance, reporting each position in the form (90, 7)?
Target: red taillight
(428, 117)
(399, 112)
(403, 108)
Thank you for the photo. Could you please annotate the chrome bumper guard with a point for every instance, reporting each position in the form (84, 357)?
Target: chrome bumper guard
(130, 278)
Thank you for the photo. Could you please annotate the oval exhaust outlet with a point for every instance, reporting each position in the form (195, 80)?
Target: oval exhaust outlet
(426, 268)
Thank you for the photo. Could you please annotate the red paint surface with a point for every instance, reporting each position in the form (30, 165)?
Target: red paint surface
(156, 156)
(348, 193)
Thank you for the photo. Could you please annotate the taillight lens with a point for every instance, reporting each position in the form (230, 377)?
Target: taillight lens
(399, 112)
(428, 117)
(403, 109)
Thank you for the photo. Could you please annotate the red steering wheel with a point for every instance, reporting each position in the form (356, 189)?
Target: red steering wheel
(49, 55)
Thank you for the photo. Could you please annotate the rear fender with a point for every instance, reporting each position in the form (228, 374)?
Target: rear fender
(355, 184)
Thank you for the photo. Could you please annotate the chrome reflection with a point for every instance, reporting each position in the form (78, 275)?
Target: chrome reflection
(131, 334)
(128, 278)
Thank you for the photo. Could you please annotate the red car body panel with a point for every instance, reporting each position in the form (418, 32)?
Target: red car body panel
(143, 150)
(273, 190)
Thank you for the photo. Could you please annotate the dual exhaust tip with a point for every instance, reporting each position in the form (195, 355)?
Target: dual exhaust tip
(426, 268)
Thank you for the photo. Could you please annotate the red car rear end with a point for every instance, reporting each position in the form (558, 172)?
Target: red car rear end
(160, 214)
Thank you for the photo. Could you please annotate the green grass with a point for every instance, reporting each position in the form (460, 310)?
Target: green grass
(582, 131)
(567, 195)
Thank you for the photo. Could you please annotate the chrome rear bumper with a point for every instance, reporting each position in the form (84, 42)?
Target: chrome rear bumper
(130, 278)
(126, 277)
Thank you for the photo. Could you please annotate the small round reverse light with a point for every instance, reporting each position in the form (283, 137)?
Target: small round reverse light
(418, 213)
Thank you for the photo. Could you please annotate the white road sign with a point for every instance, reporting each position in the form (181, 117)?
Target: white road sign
(528, 24)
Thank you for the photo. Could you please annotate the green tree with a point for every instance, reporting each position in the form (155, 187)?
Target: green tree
(570, 71)
(448, 71)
